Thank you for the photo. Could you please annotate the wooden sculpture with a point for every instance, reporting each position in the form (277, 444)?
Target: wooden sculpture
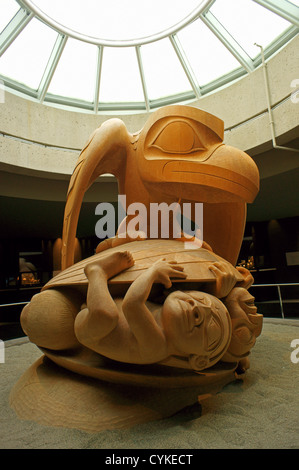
(179, 155)
(154, 312)
(158, 303)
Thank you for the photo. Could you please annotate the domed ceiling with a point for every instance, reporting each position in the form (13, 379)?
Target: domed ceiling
(127, 55)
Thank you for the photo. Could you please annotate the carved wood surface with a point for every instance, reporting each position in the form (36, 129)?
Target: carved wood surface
(196, 263)
(178, 155)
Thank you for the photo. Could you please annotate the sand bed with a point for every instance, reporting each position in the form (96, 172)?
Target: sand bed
(261, 411)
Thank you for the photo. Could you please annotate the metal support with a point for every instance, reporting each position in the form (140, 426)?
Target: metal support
(14, 304)
(184, 63)
(268, 98)
(279, 291)
(228, 41)
(30, 5)
(280, 301)
(51, 66)
(98, 78)
(286, 10)
(141, 71)
(14, 28)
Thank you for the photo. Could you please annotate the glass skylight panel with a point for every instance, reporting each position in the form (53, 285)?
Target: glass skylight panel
(120, 77)
(117, 19)
(202, 48)
(249, 23)
(164, 75)
(8, 10)
(207, 56)
(26, 58)
(75, 74)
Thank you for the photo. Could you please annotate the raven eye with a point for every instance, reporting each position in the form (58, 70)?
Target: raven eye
(178, 137)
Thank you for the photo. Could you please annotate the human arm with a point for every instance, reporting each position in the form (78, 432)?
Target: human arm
(148, 333)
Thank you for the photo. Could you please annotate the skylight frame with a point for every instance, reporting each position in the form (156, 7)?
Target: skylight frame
(38, 13)
(286, 10)
(14, 28)
(247, 64)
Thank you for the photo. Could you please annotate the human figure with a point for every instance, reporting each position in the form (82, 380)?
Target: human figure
(191, 329)
(246, 326)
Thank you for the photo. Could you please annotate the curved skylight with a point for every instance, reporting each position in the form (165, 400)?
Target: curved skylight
(118, 21)
(132, 55)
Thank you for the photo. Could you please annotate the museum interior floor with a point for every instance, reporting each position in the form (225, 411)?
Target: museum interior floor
(258, 411)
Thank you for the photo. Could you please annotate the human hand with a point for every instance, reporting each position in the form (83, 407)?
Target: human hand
(164, 270)
(248, 278)
(225, 278)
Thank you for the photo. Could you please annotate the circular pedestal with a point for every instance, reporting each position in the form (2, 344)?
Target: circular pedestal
(51, 395)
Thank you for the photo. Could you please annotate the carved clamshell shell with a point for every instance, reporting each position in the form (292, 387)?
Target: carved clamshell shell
(196, 262)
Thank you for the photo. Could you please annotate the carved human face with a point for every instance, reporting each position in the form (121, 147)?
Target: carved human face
(195, 323)
(246, 322)
(246, 301)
